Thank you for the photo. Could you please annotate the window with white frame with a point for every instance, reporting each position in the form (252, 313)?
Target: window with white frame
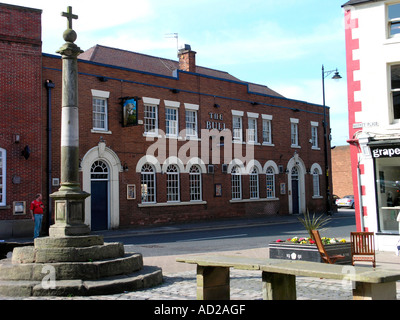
(100, 110)
(314, 135)
(270, 178)
(236, 180)
(395, 91)
(254, 190)
(2, 177)
(173, 194)
(294, 132)
(100, 114)
(237, 129)
(148, 184)
(191, 123)
(171, 122)
(394, 19)
(267, 131)
(195, 183)
(316, 190)
(252, 130)
(150, 119)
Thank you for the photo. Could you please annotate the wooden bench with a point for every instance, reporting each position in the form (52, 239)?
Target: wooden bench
(279, 277)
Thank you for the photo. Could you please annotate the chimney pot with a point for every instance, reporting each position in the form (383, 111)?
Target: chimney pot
(187, 59)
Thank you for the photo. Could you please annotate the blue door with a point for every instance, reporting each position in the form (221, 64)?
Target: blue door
(99, 196)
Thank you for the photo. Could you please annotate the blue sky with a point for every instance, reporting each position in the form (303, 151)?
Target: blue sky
(281, 44)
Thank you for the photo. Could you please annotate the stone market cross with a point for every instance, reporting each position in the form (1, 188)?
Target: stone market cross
(69, 17)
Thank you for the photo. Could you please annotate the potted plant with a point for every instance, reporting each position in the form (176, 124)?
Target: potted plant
(305, 249)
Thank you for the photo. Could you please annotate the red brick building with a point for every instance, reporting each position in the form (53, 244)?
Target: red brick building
(165, 141)
(20, 115)
(342, 178)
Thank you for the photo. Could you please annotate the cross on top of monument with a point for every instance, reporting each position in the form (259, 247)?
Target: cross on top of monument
(69, 17)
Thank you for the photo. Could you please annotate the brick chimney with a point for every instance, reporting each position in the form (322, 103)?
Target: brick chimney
(187, 59)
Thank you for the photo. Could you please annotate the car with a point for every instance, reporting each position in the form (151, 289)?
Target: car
(346, 201)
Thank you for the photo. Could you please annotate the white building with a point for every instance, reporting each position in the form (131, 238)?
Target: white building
(373, 72)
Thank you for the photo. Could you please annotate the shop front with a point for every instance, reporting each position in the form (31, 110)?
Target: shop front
(386, 156)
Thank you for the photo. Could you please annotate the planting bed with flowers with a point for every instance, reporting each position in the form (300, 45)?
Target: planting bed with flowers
(325, 240)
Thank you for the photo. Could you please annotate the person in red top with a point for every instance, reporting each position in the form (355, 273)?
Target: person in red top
(37, 209)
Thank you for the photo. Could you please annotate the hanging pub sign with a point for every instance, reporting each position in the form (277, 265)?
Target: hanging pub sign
(129, 111)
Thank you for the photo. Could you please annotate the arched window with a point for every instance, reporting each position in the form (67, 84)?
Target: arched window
(316, 189)
(99, 171)
(195, 183)
(173, 194)
(270, 175)
(254, 190)
(3, 177)
(236, 180)
(148, 184)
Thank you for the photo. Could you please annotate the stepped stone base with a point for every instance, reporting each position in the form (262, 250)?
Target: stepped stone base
(83, 265)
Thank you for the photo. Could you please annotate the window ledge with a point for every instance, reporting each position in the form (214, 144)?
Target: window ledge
(5, 207)
(317, 197)
(101, 131)
(268, 144)
(168, 204)
(253, 200)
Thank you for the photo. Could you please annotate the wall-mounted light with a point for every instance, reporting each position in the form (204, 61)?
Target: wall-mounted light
(17, 138)
(255, 103)
(175, 90)
(102, 79)
(125, 167)
(217, 105)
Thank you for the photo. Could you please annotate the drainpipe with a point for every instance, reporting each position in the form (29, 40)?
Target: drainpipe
(49, 85)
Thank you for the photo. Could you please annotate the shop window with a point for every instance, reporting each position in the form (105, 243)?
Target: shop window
(387, 177)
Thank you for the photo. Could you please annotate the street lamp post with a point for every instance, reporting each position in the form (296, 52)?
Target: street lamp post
(325, 126)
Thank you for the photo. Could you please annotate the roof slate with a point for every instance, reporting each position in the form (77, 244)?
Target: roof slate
(157, 65)
(355, 2)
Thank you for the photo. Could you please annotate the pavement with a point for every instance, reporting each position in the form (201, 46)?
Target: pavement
(180, 278)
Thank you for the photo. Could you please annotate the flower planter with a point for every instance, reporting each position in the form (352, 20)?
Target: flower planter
(308, 252)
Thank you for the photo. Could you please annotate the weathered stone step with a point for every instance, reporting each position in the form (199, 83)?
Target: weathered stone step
(147, 277)
(72, 270)
(67, 254)
(67, 242)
